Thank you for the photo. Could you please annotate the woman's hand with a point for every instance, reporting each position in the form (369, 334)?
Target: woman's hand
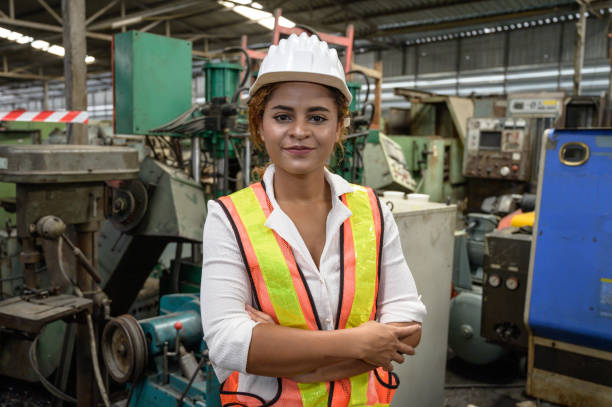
(259, 316)
(380, 344)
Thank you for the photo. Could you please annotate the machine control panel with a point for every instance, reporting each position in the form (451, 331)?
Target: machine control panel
(497, 149)
(387, 167)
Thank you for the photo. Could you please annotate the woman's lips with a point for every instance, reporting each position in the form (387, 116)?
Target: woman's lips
(298, 150)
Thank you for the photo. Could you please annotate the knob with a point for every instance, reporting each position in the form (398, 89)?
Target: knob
(178, 325)
(504, 171)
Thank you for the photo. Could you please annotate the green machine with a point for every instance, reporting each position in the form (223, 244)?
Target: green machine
(431, 138)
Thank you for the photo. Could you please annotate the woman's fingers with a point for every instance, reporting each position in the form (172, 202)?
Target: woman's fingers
(405, 331)
(398, 358)
(258, 316)
(405, 349)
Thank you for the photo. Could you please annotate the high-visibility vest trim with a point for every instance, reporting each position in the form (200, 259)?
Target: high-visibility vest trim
(281, 291)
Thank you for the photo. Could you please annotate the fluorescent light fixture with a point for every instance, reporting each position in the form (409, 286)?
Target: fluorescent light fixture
(254, 12)
(41, 45)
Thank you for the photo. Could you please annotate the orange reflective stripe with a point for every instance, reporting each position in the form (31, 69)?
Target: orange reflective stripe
(259, 285)
(341, 394)
(347, 290)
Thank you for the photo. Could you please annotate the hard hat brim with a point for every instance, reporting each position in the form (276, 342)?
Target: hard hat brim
(293, 76)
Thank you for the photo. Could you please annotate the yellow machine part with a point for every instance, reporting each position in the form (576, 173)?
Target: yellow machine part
(523, 219)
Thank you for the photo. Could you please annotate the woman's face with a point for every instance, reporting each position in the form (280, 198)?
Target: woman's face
(300, 127)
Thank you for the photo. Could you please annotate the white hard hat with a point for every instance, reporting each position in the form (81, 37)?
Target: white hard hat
(302, 59)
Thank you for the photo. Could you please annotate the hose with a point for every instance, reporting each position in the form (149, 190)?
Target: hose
(94, 359)
(308, 29)
(367, 81)
(237, 94)
(92, 340)
(46, 384)
(247, 62)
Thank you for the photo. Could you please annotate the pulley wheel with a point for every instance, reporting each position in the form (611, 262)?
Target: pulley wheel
(133, 206)
(124, 348)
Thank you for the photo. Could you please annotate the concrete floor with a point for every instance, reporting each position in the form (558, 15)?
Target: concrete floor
(500, 384)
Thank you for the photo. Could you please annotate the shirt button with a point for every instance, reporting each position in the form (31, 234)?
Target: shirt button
(328, 320)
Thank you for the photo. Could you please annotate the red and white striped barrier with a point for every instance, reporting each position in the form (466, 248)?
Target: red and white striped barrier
(50, 116)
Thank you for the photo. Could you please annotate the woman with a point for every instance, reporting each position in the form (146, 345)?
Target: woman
(306, 296)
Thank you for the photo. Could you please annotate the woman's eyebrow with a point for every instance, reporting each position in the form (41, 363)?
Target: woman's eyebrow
(310, 109)
(282, 107)
(317, 109)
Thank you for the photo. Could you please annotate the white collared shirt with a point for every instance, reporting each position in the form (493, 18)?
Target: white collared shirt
(226, 289)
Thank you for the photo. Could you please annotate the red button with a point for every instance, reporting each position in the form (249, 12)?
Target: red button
(515, 168)
(178, 325)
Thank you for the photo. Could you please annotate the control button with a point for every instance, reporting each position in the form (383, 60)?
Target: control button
(504, 171)
(515, 168)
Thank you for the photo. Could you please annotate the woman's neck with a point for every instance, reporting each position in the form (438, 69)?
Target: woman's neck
(304, 188)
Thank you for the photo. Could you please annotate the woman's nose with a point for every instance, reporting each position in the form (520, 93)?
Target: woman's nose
(300, 129)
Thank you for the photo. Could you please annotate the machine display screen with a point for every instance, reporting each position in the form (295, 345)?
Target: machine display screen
(490, 140)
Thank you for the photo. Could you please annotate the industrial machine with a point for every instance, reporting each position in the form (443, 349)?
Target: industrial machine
(386, 165)
(432, 144)
(61, 200)
(158, 357)
(569, 300)
(497, 149)
(504, 287)
(502, 151)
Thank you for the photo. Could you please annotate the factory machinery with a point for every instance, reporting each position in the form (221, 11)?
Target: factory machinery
(93, 222)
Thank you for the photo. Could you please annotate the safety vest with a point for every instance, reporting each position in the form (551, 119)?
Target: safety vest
(280, 290)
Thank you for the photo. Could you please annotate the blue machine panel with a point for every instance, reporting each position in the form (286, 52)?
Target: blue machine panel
(571, 286)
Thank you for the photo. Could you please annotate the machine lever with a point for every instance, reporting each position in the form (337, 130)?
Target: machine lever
(82, 259)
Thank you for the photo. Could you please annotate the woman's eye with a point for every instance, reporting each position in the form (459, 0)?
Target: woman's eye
(282, 117)
(318, 119)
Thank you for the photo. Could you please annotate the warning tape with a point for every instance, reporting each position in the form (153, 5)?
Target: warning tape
(49, 116)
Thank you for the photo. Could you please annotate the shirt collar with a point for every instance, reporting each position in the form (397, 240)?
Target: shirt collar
(280, 222)
(338, 185)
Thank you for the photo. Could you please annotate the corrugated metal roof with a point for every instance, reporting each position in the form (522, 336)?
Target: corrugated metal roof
(378, 24)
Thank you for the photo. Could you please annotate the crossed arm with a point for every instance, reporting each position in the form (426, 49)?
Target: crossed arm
(315, 356)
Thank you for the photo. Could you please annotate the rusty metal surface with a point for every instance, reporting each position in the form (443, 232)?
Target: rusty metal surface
(35, 164)
(33, 314)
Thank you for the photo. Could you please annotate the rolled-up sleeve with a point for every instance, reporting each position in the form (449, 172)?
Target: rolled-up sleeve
(224, 290)
(398, 298)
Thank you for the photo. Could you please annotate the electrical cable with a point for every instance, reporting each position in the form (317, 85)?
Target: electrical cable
(179, 402)
(46, 384)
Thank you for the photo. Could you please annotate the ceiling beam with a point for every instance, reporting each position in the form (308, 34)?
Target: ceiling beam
(100, 12)
(29, 76)
(138, 17)
(51, 11)
(49, 27)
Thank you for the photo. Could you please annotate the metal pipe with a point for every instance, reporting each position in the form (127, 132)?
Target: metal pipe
(85, 381)
(195, 159)
(225, 162)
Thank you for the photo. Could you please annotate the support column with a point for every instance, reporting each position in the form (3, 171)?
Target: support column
(75, 70)
(45, 101)
(579, 48)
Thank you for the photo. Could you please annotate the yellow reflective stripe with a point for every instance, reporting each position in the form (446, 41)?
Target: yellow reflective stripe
(364, 240)
(272, 263)
(359, 389)
(313, 394)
